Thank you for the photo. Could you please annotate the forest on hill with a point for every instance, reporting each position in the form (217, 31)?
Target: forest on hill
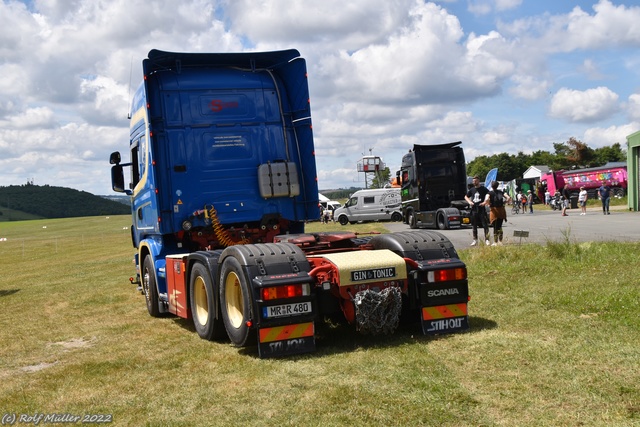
(56, 202)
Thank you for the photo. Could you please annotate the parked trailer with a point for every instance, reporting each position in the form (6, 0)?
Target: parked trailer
(614, 174)
(223, 179)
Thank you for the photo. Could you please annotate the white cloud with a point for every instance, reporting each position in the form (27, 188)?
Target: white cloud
(107, 101)
(528, 87)
(606, 27)
(591, 69)
(502, 5)
(327, 25)
(425, 62)
(40, 118)
(484, 7)
(601, 137)
(584, 106)
(383, 74)
(633, 107)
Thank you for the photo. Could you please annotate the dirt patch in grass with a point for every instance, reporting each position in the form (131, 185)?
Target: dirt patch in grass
(75, 343)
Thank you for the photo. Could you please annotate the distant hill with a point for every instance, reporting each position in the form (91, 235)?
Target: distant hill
(126, 200)
(19, 202)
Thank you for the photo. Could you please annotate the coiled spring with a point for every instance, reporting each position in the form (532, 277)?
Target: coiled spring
(221, 233)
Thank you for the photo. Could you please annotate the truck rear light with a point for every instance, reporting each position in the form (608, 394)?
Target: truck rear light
(447, 275)
(286, 291)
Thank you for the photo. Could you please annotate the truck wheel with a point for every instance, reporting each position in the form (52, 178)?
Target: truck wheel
(618, 192)
(235, 301)
(149, 286)
(442, 224)
(343, 220)
(203, 304)
(396, 217)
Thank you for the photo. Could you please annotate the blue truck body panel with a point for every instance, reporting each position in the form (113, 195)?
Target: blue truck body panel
(217, 117)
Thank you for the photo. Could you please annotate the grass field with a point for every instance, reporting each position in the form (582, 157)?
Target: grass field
(552, 346)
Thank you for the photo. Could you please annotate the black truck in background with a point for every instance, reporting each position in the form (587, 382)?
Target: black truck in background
(433, 185)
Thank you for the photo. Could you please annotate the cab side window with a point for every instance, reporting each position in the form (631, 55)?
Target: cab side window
(135, 164)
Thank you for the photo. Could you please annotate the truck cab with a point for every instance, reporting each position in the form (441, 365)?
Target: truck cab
(433, 185)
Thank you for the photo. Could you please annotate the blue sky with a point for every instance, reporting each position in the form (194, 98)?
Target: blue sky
(499, 75)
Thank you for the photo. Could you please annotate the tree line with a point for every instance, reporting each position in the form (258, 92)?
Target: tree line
(57, 202)
(573, 154)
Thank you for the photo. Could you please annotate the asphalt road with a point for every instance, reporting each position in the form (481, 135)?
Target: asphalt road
(546, 225)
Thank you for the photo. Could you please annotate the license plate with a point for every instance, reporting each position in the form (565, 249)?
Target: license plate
(465, 220)
(286, 310)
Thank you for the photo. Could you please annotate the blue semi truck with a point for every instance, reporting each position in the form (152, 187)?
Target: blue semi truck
(222, 178)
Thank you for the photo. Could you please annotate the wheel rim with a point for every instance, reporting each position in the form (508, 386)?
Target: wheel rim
(145, 285)
(234, 301)
(201, 301)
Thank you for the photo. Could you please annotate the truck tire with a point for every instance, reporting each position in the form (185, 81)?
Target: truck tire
(150, 287)
(235, 301)
(396, 217)
(202, 303)
(442, 224)
(343, 220)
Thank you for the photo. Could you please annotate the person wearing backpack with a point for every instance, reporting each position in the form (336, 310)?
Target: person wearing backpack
(497, 214)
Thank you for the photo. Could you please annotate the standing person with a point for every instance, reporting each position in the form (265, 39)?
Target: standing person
(478, 199)
(547, 197)
(582, 200)
(605, 197)
(565, 201)
(523, 201)
(498, 214)
(530, 201)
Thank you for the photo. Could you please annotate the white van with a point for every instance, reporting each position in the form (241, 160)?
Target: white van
(330, 206)
(381, 204)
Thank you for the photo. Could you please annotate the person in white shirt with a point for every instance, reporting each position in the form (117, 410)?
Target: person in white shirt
(582, 200)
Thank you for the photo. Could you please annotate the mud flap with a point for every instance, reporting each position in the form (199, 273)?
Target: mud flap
(444, 307)
(444, 319)
(286, 340)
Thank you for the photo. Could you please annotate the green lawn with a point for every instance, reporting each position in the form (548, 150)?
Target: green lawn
(553, 342)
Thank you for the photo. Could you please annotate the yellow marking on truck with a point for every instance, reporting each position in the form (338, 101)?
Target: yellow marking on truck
(444, 311)
(368, 266)
(280, 333)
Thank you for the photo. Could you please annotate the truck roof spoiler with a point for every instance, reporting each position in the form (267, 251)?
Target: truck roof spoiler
(418, 147)
(161, 60)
